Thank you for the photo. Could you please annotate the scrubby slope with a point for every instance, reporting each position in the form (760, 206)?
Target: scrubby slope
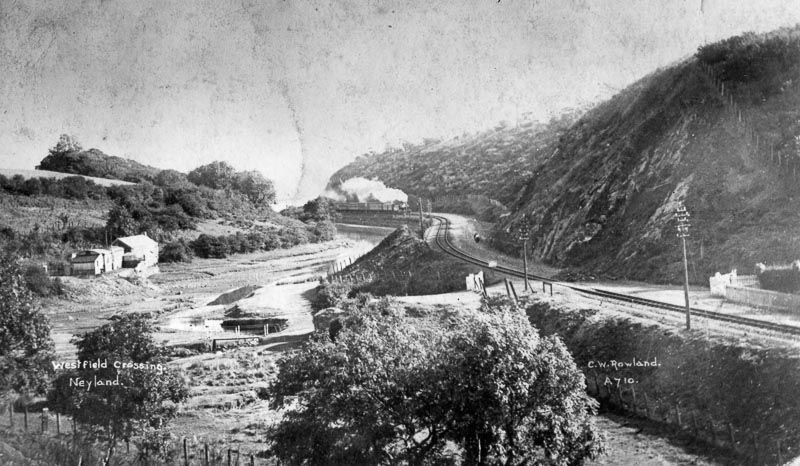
(403, 264)
(713, 131)
(94, 162)
(469, 174)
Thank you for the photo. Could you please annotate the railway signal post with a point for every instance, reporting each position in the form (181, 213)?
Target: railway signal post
(682, 216)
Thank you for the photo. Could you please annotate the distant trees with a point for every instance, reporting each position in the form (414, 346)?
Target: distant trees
(252, 184)
(26, 349)
(137, 394)
(388, 391)
(66, 143)
(220, 175)
(215, 175)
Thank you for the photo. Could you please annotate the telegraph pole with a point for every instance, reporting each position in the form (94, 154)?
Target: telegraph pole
(523, 234)
(421, 229)
(682, 216)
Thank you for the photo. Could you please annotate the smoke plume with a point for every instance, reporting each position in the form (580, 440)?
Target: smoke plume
(363, 190)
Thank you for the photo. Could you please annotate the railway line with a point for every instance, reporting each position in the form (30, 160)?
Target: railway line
(442, 241)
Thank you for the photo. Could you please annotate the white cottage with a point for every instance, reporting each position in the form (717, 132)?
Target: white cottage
(139, 248)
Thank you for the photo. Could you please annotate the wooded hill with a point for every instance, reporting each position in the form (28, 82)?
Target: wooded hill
(461, 175)
(717, 131)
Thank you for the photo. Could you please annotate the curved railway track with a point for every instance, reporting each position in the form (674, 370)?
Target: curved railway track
(442, 241)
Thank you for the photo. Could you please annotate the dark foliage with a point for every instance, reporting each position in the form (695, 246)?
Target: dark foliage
(25, 345)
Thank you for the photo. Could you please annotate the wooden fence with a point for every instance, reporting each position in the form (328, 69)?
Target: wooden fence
(55, 429)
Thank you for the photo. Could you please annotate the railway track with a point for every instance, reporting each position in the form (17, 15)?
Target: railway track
(443, 242)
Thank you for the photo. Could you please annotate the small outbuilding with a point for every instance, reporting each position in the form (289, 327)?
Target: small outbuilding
(139, 248)
(87, 263)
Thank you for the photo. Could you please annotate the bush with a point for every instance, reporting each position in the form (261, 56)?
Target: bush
(39, 282)
(388, 391)
(207, 246)
(174, 251)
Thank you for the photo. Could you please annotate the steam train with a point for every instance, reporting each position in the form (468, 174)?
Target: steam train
(372, 206)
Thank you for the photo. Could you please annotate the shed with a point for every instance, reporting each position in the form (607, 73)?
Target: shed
(139, 246)
(108, 260)
(87, 263)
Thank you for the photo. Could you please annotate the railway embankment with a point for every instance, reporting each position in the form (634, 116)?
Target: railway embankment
(736, 395)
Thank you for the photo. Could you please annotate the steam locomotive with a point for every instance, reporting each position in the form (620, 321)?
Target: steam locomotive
(372, 206)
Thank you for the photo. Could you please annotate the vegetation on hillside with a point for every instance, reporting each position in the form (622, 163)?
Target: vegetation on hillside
(393, 389)
(715, 132)
(402, 264)
(718, 132)
(26, 348)
(77, 213)
(477, 174)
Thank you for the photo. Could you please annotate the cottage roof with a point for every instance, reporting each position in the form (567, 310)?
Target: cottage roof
(99, 251)
(136, 242)
(85, 258)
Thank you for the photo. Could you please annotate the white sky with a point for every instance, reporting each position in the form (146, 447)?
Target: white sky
(296, 89)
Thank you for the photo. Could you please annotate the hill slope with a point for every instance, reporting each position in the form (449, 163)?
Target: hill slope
(462, 175)
(716, 132)
(94, 162)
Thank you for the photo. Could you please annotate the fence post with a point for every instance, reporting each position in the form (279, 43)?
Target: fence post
(11, 414)
(58, 423)
(678, 414)
(44, 420)
(25, 418)
(646, 405)
(229, 456)
(513, 290)
(206, 454)
(252, 460)
(730, 434)
(185, 453)
(713, 432)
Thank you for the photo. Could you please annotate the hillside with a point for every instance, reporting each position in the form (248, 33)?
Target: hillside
(404, 264)
(27, 174)
(95, 163)
(462, 175)
(716, 131)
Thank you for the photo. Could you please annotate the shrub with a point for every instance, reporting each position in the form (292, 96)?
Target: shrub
(174, 251)
(39, 282)
(208, 246)
(388, 391)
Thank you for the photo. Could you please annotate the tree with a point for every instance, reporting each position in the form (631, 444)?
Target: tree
(252, 184)
(215, 175)
(392, 391)
(120, 222)
(175, 251)
(26, 349)
(66, 143)
(321, 208)
(208, 246)
(137, 393)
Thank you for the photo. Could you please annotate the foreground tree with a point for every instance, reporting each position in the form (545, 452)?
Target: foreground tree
(129, 393)
(390, 391)
(26, 350)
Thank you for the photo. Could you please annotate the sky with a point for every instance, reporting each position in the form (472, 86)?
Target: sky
(297, 89)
